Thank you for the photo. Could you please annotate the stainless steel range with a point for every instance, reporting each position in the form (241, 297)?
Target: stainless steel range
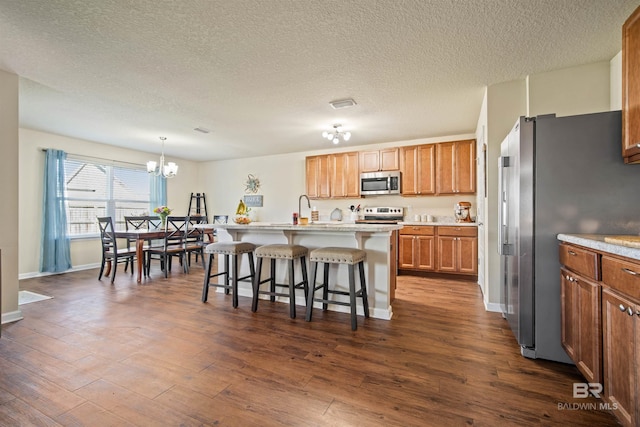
(382, 215)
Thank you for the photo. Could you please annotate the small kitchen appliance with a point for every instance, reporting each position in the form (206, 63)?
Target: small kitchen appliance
(463, 212)
(381, 215)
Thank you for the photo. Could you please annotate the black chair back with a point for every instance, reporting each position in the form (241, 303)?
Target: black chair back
(107, 237)
(142, 222)
(177, 230)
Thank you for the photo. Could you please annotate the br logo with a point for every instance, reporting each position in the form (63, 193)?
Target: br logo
(582, 390)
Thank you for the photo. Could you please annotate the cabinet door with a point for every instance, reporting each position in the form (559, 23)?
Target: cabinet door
(407, 252)
(311, 169)
(352, 175)
(445, 163)
(390, 159)
(337, 181)
(409, 169)
(467, 255)
(631, 88)
(324, 177)
(618, 346)
(587, 319)
(447, 254)
(465, 166)
(426, 166)
(369, 161)
(569, 328)
(426, 252)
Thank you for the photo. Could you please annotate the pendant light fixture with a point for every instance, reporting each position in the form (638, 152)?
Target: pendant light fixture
(168, 171)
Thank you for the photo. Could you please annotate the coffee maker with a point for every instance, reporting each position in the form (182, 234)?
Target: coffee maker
(462, 212)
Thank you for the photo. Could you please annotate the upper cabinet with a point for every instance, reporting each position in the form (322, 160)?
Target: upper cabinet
(631, 88)
(345, 174)
(456, 167)
(418, 167)
(333, 176)
(380, 160)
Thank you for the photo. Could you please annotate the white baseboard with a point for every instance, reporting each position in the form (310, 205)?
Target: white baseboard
(43, 274)
(12, 316)
(492, 306)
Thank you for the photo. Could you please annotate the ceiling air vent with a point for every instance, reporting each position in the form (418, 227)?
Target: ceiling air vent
(342, 103)
(202, 130)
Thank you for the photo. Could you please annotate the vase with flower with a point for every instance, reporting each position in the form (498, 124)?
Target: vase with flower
(163, 212)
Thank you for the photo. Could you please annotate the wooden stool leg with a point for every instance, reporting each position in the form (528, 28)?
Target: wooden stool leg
(305, 277)
(256, 285)
(352, 297)
(292, 291)
(234, 280)
(363, 290)
(312, 289)
(273, 279)
(325, 286)
(207, 279)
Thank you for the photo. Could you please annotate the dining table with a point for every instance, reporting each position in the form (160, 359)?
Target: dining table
(143, 235)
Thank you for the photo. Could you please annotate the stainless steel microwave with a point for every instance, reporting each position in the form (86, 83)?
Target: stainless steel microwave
(375, 183)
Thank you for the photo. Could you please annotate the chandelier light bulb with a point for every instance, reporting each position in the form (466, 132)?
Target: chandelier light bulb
(347, 136)
(337, 133)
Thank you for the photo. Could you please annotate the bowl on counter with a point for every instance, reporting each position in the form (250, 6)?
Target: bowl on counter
(241, 219)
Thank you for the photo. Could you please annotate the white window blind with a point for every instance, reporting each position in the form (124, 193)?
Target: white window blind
(93, 189)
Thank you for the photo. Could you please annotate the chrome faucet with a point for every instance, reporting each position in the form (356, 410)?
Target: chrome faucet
(300, 204)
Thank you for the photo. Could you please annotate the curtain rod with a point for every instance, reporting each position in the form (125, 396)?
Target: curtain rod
(82, 156)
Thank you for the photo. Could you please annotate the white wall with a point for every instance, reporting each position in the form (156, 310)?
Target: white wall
(282, 179)
(615, 83)
(84, 252)
(9, 192)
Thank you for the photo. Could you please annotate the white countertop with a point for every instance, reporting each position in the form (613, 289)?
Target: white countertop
(332, 226)
(441, 223)
(596, 241)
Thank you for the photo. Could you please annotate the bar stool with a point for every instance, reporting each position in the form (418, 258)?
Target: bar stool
(281, 251)
(233, 250)
(335, 255)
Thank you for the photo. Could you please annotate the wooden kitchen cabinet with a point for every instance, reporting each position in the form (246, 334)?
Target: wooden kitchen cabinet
(345, 175)
(580, 323)
(417, 248)
(457, 250)
(387, 159)
(456, 167)
(621, 337)
(631, 88)
(418, 167)
(318, 177)
(621, 349)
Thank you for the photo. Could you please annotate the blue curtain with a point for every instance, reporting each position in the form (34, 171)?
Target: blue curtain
(55, 248)
(158, 192)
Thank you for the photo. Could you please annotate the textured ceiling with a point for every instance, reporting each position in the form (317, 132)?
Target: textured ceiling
(260, 73)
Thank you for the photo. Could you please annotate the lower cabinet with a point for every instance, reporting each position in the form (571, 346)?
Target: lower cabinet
(417, 248)
(443, 249)
(601, 324)
(458, 250)
(581, 332)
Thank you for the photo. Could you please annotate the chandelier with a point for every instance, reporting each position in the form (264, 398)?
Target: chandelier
(335, 135)
(168, 171)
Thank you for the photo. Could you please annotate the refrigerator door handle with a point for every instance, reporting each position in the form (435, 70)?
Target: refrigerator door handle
(502, 214)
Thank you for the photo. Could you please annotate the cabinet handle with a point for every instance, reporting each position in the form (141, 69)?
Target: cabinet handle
(572, 253)
(622, 307)
(631, 272)
(638, 145)
(630, 311)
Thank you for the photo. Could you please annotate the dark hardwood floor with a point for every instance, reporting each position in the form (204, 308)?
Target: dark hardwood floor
(153, 354)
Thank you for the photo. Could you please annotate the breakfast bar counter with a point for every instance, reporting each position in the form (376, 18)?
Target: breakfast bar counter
(375, 239)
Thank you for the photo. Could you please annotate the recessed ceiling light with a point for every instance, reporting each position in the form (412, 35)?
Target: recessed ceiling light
(342, 103)
(202, 130)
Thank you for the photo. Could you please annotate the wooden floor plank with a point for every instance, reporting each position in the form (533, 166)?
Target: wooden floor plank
(152, 354)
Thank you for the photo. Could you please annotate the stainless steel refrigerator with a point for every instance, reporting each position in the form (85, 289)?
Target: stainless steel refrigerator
(557, 175)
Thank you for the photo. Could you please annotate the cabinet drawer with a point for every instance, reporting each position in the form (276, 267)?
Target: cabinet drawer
(422, 230)
(622, 276)
(458, 231)
(580, 261)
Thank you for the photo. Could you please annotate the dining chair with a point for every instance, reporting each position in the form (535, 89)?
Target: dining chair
(173, 244)
(141, 222)
(195, 238)
(110, 252)
(219, 219)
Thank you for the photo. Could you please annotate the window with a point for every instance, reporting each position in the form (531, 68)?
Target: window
(93, 189)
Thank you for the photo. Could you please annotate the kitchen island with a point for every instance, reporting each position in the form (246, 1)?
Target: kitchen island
(375, 239)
